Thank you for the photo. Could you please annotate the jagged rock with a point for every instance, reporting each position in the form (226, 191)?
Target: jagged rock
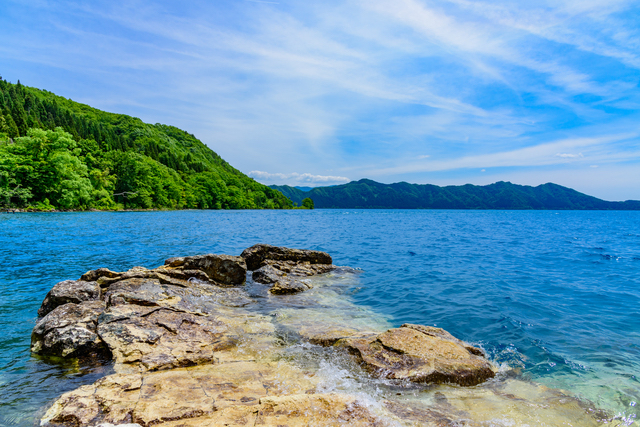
(69, 331)
(154, 338)
(166, 276)
(69, 291)
(133, 273)
(409, 353)
(93, 275)
(224, 269)
(289, 285)
(183, 274)
(257, 254)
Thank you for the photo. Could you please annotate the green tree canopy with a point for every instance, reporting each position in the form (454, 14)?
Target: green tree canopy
(307, 203)
(76, 157)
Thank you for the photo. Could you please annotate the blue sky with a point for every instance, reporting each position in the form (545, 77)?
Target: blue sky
(321, 93)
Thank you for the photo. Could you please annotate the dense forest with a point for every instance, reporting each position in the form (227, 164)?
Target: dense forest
(60, 154)
(367, 194)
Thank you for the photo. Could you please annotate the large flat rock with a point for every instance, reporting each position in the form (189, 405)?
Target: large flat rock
(153, 338)
(409, 353)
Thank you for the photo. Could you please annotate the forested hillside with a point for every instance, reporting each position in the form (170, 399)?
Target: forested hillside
(56, 153)
(367, 194)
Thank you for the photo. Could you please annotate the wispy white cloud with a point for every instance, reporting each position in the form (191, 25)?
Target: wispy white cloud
(569, 155)
(305, 178)
(536, 155)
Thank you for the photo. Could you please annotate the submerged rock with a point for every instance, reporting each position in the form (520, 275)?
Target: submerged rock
(69, 291)
(419, 356)
(256, 255)
(289, 285)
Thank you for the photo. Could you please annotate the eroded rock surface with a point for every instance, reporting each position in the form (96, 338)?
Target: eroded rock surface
(69, 291)
(191, 351)
(154, 338)
(256, 255)
(284, 268)
(419, 354)
(223, 269)
(93, 275)
(69, 331)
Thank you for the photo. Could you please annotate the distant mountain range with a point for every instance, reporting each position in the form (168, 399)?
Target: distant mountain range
(368, 194)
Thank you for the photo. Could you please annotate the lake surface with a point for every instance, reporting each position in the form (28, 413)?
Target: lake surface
(554, 295)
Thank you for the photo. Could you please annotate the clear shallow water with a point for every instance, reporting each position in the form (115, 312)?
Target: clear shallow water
(556, 294)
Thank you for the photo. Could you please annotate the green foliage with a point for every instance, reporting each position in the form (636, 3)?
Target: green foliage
(367, 194)
(76, 157)
(307, 203)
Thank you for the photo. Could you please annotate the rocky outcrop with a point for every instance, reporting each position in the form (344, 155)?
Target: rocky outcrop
(236, 394)
(69, 291)
(284, 268)
(70, 331)
(419, 354)
(93, 275)
(256, 255)
(144, 319)
(223, 269)
(152, 338)
(189, 351)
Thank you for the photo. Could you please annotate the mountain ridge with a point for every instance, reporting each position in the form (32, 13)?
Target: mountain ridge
(369, 194)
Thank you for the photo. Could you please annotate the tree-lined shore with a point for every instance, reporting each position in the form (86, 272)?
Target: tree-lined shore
(59, 154)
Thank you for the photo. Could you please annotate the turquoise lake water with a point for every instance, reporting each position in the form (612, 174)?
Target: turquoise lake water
(555, 295)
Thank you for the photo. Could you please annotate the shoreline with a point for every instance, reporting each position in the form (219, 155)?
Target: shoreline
(291, 330)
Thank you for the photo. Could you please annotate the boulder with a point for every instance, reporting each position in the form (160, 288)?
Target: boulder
(257, 254)
(419, 356)
(224, 269)
(439, 332)
(69, 331)
(69, 291)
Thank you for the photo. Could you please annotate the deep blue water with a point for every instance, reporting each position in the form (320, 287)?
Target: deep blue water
(556, 294)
